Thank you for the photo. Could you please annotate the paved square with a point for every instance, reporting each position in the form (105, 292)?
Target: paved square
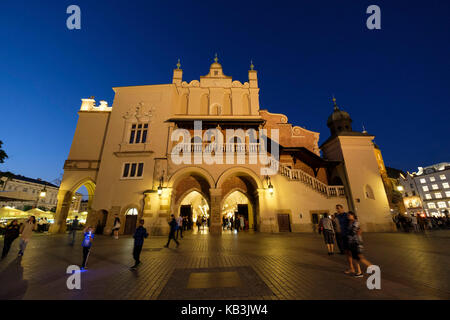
(269, 266)
(214, 283)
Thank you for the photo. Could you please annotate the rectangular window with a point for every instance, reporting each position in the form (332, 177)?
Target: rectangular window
(138, 133)
(422, 181)
(445, 185)
(428, 196)
(447, 194)
(425, 188)
(432, 179)
(435, 186)
(126, 170)
(413, 193)
(438, 195)
(442, 176)
(133, 170)
(140, 169)
(441, 204)
(431, 205)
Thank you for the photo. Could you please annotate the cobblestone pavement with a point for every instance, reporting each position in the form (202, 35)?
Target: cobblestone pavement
(261, 266)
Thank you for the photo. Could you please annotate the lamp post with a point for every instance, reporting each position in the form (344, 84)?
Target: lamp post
(160, 187)
(269, 185)
(42, 195)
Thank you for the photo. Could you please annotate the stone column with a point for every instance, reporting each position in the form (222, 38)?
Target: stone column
(62, 210)
(215, 226)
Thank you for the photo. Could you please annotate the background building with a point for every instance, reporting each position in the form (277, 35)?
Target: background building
(428, 189)
(24, 193)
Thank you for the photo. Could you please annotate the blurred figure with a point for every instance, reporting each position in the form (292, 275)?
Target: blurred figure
(326, 227)
(87, 244)
(73, 230)
(139, 235)
(26, 234)
(355, 244)
(116, 228)
(11, 233)
(173, 227)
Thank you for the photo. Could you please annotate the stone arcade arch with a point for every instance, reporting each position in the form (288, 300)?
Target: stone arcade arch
(65, 195)
(249, 202)
(236, 179)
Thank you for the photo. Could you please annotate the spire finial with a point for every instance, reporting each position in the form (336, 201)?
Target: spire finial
(334, 103)
(215, 58)
(251, 65)
(364, 129)
(178, 64)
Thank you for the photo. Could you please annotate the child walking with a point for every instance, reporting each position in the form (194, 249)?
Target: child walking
(87, 243)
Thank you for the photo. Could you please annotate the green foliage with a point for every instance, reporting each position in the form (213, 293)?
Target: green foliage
(3, 154)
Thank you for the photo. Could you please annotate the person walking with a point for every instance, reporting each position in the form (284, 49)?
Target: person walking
(73, 230)
(337, 233)
(139, 235)
(326, 226)
(180, 227)
(173, 227)
(242, 222)
(87, 244)
(355, 244)
(116, 228)
(414, 223)
(26, 234)
(342, 217)
(11, 233)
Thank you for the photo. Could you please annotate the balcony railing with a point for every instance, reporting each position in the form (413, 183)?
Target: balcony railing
(310, 181)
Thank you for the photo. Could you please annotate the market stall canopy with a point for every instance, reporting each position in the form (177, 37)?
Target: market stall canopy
(8, 212)
(38, 213)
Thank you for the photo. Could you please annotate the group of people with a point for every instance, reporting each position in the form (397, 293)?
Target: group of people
(344, 229)
(238, 222)
(420, 223)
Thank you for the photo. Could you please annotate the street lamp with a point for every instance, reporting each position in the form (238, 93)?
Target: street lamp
(400, 188)
(269, 185)
(42, 195)
(160, 187)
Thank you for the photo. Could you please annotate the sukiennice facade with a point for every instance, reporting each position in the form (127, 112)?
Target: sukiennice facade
(171, 149)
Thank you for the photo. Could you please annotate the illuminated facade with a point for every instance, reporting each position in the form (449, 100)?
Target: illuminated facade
(124, 156)
(429, 187)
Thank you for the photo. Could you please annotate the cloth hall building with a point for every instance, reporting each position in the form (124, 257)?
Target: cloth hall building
(124, 156)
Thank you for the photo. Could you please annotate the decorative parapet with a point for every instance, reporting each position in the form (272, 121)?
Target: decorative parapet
(81, 165)
(89, 105)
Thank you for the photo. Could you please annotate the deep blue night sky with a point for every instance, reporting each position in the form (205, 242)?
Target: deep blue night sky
(395, 80)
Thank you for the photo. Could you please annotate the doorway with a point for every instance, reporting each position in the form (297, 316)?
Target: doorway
(284, 222)
(130, 221)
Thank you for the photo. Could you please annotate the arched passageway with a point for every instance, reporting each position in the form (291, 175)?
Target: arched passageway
(237, 212)
(70, 204)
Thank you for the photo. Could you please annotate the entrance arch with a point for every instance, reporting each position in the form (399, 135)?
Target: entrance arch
(65, 199)
(195, 207)
(234, 204)
(246, 182)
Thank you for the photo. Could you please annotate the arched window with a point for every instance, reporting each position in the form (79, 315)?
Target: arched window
(369, 192)
(132, 212)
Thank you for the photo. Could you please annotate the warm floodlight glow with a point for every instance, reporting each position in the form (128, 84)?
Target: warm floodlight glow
(400, 188)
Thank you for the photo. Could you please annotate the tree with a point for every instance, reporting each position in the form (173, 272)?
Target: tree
(3, 154)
